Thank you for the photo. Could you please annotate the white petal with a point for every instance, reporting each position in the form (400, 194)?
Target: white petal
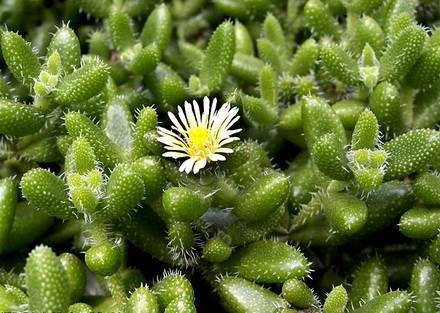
(187, 165)
(166, 132)
(206, 101)
(162, 130)
(205, 114)
(174, 155)
(199, 165)
(176, 148)
(221, 117)
(190, 115)
(197, 112)
(228, 140)
(213, 112)
(233, 111)
(232, 122)
(171, 140)
(224, 134)
(224, 150)
(222, 112)
(176, 123)
(216, 157)
(228, 122)
(233, 131)
(170, 143)
(182, 117)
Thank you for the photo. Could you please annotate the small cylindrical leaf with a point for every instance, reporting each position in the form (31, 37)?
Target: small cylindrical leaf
(258, 299)
(104, 259)
(370, 280)
(391, 302)
(47, 192)
(66, 43)
(121, 30)
(125, 190)
(425, 281)
(366, 131)
(305, 58)
(243, 40)
(76, 275)
(346, 214)
(420, 223)
(339, 64)
(427, 188)
(46, 281)
(385, 104)
(17, 119)
(319, 19)
(329, 155)
(183, 204)
(336, 300)
(402, 53)
(21, 60)
(216, 250)
(262, 198)
(142, 300)
(8, 202)
(319, 119)
(80, 157)
(297, 293)
(82, 84)
(171, 287)
(157, 29)
(411, 152)
(267, 262)
(219, 54)
(78, 125)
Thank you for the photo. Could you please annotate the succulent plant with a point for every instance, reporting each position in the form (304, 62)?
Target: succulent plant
(242, 156)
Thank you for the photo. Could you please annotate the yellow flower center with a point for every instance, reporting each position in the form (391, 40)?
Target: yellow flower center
(200, 142)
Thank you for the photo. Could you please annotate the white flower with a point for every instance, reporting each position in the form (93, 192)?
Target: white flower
(200, 137)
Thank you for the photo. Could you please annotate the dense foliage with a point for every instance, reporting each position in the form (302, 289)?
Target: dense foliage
(327, 200)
